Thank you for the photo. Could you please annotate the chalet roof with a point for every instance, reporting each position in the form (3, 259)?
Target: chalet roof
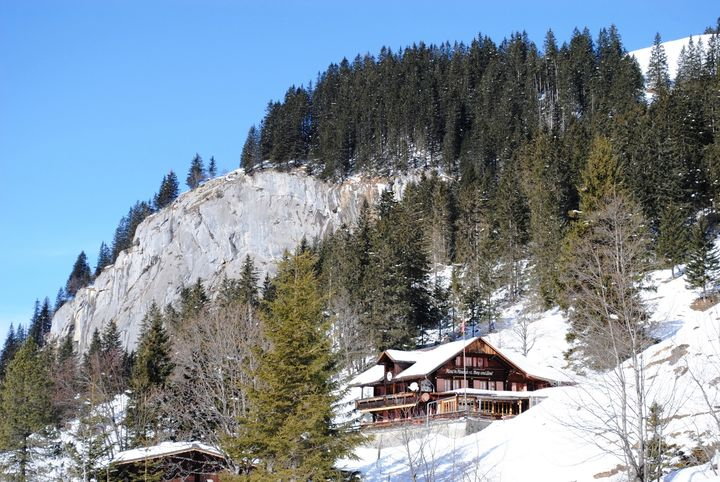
(533, 369)
(163, 450)
(410, 356)
(424, 362)
(372, 375)
(431, 360)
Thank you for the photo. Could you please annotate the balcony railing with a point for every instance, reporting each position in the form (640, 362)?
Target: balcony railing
(397, 400)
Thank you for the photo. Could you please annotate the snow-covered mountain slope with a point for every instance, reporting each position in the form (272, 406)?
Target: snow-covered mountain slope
(206, 234)
(672, 51)
(566, 437)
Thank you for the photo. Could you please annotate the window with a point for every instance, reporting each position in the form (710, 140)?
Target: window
(480, 384)
(443, 385)
(459, 383)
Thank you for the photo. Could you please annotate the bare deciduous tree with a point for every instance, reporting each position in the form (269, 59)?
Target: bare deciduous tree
(214, 356)
(611, 329)
(524, 331)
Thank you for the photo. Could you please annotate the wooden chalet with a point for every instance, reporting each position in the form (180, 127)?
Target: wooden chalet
(171, 462)
(464, 377)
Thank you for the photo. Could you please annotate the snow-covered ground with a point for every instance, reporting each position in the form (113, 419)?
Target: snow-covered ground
(562, 439)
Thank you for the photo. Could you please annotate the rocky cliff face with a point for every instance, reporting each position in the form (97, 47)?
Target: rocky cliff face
(206, 234)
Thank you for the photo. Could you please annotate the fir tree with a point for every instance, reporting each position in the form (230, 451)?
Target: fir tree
(168, 192)
(20, 334)
(125, 232)
(8, 350)
(41, 322)
(151, 370)
(44, 321)
(672, 243)
(152, 363)
(268, 289)
(703, 263)
(658, 78)
(104, 259)
(80, 276)
(94, 348)
(60, 299)
(193, 300)
(658, 451)
(289, 433)
(66, 351)
(25, 404)
(110, 340)
(248, 283)
(34, 330)
(251, 156)
(212, 168)
(601, 176)
(196, 173)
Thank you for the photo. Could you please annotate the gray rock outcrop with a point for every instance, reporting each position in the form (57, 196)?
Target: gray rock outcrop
(206, 234)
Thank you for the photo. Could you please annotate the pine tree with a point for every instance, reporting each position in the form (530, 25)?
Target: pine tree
(268, 289)
(659, 451)
(20, 334)
(196, 173)
(288, 433)
(658, 78)
(60, 299)
(251, 156)
(44, 321)
(94, 349)
(25, 404)
(672, 243)
(608, 315)
(212, 168)
(396, 286)
(80, 276)
(34, 327)
(168, 191)
(193, 300)
(150, 373)
(110, 340)
(542, 180)
(703, 263)
(41, 322)
(9, 348)
(104, 259)
(601, 176)
(248, 283)
(66, 351)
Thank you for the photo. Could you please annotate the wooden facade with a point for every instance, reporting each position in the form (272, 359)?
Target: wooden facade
(461, 378)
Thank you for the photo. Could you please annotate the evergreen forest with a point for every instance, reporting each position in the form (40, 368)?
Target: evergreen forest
(527, 161)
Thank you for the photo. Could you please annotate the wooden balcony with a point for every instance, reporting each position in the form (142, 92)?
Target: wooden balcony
(387, 402)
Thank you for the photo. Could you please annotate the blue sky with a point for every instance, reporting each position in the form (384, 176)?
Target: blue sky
(99, 99)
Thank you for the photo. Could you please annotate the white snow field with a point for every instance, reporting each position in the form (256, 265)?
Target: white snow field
(566, 437)
(672, 51)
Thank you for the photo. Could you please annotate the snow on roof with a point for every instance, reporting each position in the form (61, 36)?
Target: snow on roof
(373, 374)
(405, 356)
(430, 360)
(427, 361)
(531, 368)
(164, 449)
